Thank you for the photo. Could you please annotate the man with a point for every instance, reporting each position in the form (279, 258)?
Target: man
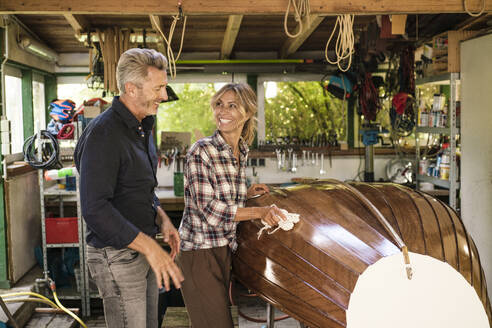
(117, 161)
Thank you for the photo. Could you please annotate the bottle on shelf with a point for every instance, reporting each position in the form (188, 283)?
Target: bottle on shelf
(60, 174)
(445, 162)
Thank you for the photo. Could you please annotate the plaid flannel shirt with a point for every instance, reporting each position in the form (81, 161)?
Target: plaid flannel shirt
(214, 188)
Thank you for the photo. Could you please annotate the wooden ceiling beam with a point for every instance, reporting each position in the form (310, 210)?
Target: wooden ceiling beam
(230, 35)
(78, 22)
(309, 24)
(235, 7)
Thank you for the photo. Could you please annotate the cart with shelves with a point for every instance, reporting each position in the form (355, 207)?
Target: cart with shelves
(452, 130)
(74, 237)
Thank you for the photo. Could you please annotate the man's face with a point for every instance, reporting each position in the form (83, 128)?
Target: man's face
(152, 92)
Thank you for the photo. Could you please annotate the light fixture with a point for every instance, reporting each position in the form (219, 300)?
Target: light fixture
(37, 48)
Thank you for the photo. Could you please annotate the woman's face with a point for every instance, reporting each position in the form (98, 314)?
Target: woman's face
(228, 114)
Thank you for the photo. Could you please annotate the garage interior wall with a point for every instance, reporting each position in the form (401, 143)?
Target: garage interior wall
(476, 141)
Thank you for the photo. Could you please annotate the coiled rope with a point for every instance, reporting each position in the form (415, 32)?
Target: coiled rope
(301, 9)
(473, 14)
(344, 46)
(169, 51)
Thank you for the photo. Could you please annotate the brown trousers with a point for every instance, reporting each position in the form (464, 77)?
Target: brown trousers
(205, 290)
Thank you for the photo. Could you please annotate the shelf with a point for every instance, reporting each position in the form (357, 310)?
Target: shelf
(67, 293)
(423, 129)
(436, 192)
(435, 79)
(62, 245)
(55, 191)
(436, 181)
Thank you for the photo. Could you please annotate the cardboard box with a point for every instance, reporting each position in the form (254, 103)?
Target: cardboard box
(398, 23)
(92, 111)
(170, 140)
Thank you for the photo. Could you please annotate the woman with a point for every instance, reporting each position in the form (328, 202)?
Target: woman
(215, 196)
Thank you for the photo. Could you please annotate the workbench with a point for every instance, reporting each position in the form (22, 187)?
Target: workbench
(169, 202)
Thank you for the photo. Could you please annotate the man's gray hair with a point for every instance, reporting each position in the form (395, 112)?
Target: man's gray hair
(133, 64)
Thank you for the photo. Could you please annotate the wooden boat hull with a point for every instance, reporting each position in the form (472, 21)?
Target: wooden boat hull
(311, 271)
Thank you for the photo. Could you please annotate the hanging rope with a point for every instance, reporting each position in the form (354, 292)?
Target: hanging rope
(113, 42)
(301, 10)
(472, 14)
(344, 46)
(169, 51)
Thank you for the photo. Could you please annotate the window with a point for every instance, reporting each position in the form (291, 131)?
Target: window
(304, 111)
(191, 113)
(78, 92)
(13, 97)
(38, 102)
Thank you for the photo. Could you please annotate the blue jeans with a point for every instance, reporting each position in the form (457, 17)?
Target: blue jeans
(127, 286)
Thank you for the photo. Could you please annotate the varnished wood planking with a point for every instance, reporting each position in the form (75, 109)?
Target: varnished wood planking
(301, 311)
(345, 276)
(448, 233)
(476, 274)
(328, 243)
(432, 233)
(349, 213)
(289, 281)
(310, 272)
(462, 246)
(405, 215)
(428, 227)
(378, 198)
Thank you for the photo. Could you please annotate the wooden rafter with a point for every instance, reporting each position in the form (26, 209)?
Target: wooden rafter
(78, 22)
(292, 44)
(235, 7)
(230, 35)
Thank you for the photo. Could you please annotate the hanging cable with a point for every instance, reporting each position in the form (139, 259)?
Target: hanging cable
(370, 103)
(49, 151)
(301, 10)
(169, 51)
(472, 14)
(344, 46)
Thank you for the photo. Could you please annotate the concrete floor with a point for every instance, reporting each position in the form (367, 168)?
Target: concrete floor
(251, 306)
(256, 308)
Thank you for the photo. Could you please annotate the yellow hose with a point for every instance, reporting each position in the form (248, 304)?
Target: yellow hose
(31, 294)
(70, 313)
(15, 300)
(43, 299)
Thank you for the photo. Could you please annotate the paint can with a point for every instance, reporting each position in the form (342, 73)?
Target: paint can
(444, 171)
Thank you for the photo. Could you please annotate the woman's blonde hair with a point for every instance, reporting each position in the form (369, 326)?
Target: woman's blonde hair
(246, 98)
(133, 64)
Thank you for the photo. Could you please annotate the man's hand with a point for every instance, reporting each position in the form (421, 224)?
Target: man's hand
(161, 263)
(169, 232)
(257, 189)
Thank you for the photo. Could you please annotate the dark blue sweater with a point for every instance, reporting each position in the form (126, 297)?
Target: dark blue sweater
(116, 159)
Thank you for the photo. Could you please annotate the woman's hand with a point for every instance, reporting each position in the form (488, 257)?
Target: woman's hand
(257, 189)
(273, 215)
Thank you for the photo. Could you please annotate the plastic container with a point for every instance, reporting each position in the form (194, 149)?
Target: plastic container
(178, 184)
(423, 166)
(424, 119)
(444, 171)
(62, 230)
(59, 174)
